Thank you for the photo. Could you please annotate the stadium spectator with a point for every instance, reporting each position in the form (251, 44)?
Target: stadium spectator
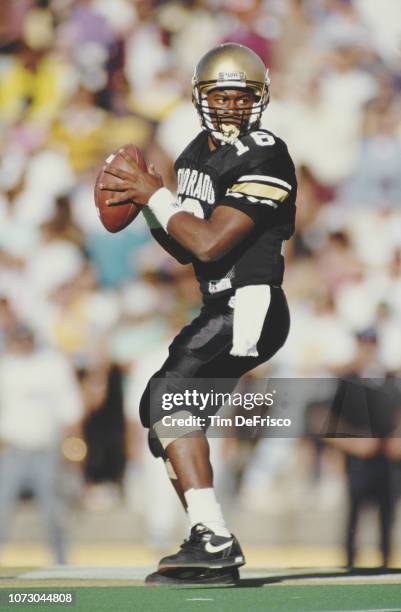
(103, 434)
(39, 405)
(367, 406)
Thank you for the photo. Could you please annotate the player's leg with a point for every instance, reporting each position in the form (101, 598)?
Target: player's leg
(207, 355)
(191, 461)
(189, 456)
(175, 482)
(192, 575)
(188, 467)
(191, 564)
(205, 477)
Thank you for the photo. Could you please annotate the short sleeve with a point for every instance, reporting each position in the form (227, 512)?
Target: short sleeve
(265, 193)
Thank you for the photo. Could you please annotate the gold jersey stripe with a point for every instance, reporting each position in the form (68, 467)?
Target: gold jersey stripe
(260, 191)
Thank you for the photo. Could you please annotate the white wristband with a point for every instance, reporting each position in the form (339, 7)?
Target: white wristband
(163, 205)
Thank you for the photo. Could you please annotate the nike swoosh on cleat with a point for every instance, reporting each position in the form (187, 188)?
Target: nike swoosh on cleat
(215, 549)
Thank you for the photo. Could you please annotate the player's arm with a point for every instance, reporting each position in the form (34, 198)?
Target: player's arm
(208, 240)
(211, 239)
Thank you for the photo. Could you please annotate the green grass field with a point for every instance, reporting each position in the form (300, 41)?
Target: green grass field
(304, 598)
(269, 590)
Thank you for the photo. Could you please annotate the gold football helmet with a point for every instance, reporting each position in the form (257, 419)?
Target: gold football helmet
(230, 66)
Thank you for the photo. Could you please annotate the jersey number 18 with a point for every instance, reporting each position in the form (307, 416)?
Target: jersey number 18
(261, 139)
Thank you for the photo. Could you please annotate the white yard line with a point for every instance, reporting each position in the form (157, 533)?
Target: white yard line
(200, 599)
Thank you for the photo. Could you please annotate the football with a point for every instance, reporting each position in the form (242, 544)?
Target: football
(115, 218)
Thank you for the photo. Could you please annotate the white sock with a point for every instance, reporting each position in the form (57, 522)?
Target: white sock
(204, 508)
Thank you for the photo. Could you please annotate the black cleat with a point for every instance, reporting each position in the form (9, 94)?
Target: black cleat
(193, 576)
(205, 549)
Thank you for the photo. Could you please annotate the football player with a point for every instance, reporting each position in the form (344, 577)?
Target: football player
(233, 212)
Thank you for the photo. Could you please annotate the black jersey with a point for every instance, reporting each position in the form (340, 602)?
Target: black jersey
(255, 175)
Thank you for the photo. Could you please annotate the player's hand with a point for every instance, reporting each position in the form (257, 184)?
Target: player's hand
(133, 184)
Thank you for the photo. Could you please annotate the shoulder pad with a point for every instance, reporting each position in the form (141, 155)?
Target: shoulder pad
(270, 153)
(250, 151)
(263, 145)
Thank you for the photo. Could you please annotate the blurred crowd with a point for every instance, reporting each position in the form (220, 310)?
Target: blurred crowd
(80, 78)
